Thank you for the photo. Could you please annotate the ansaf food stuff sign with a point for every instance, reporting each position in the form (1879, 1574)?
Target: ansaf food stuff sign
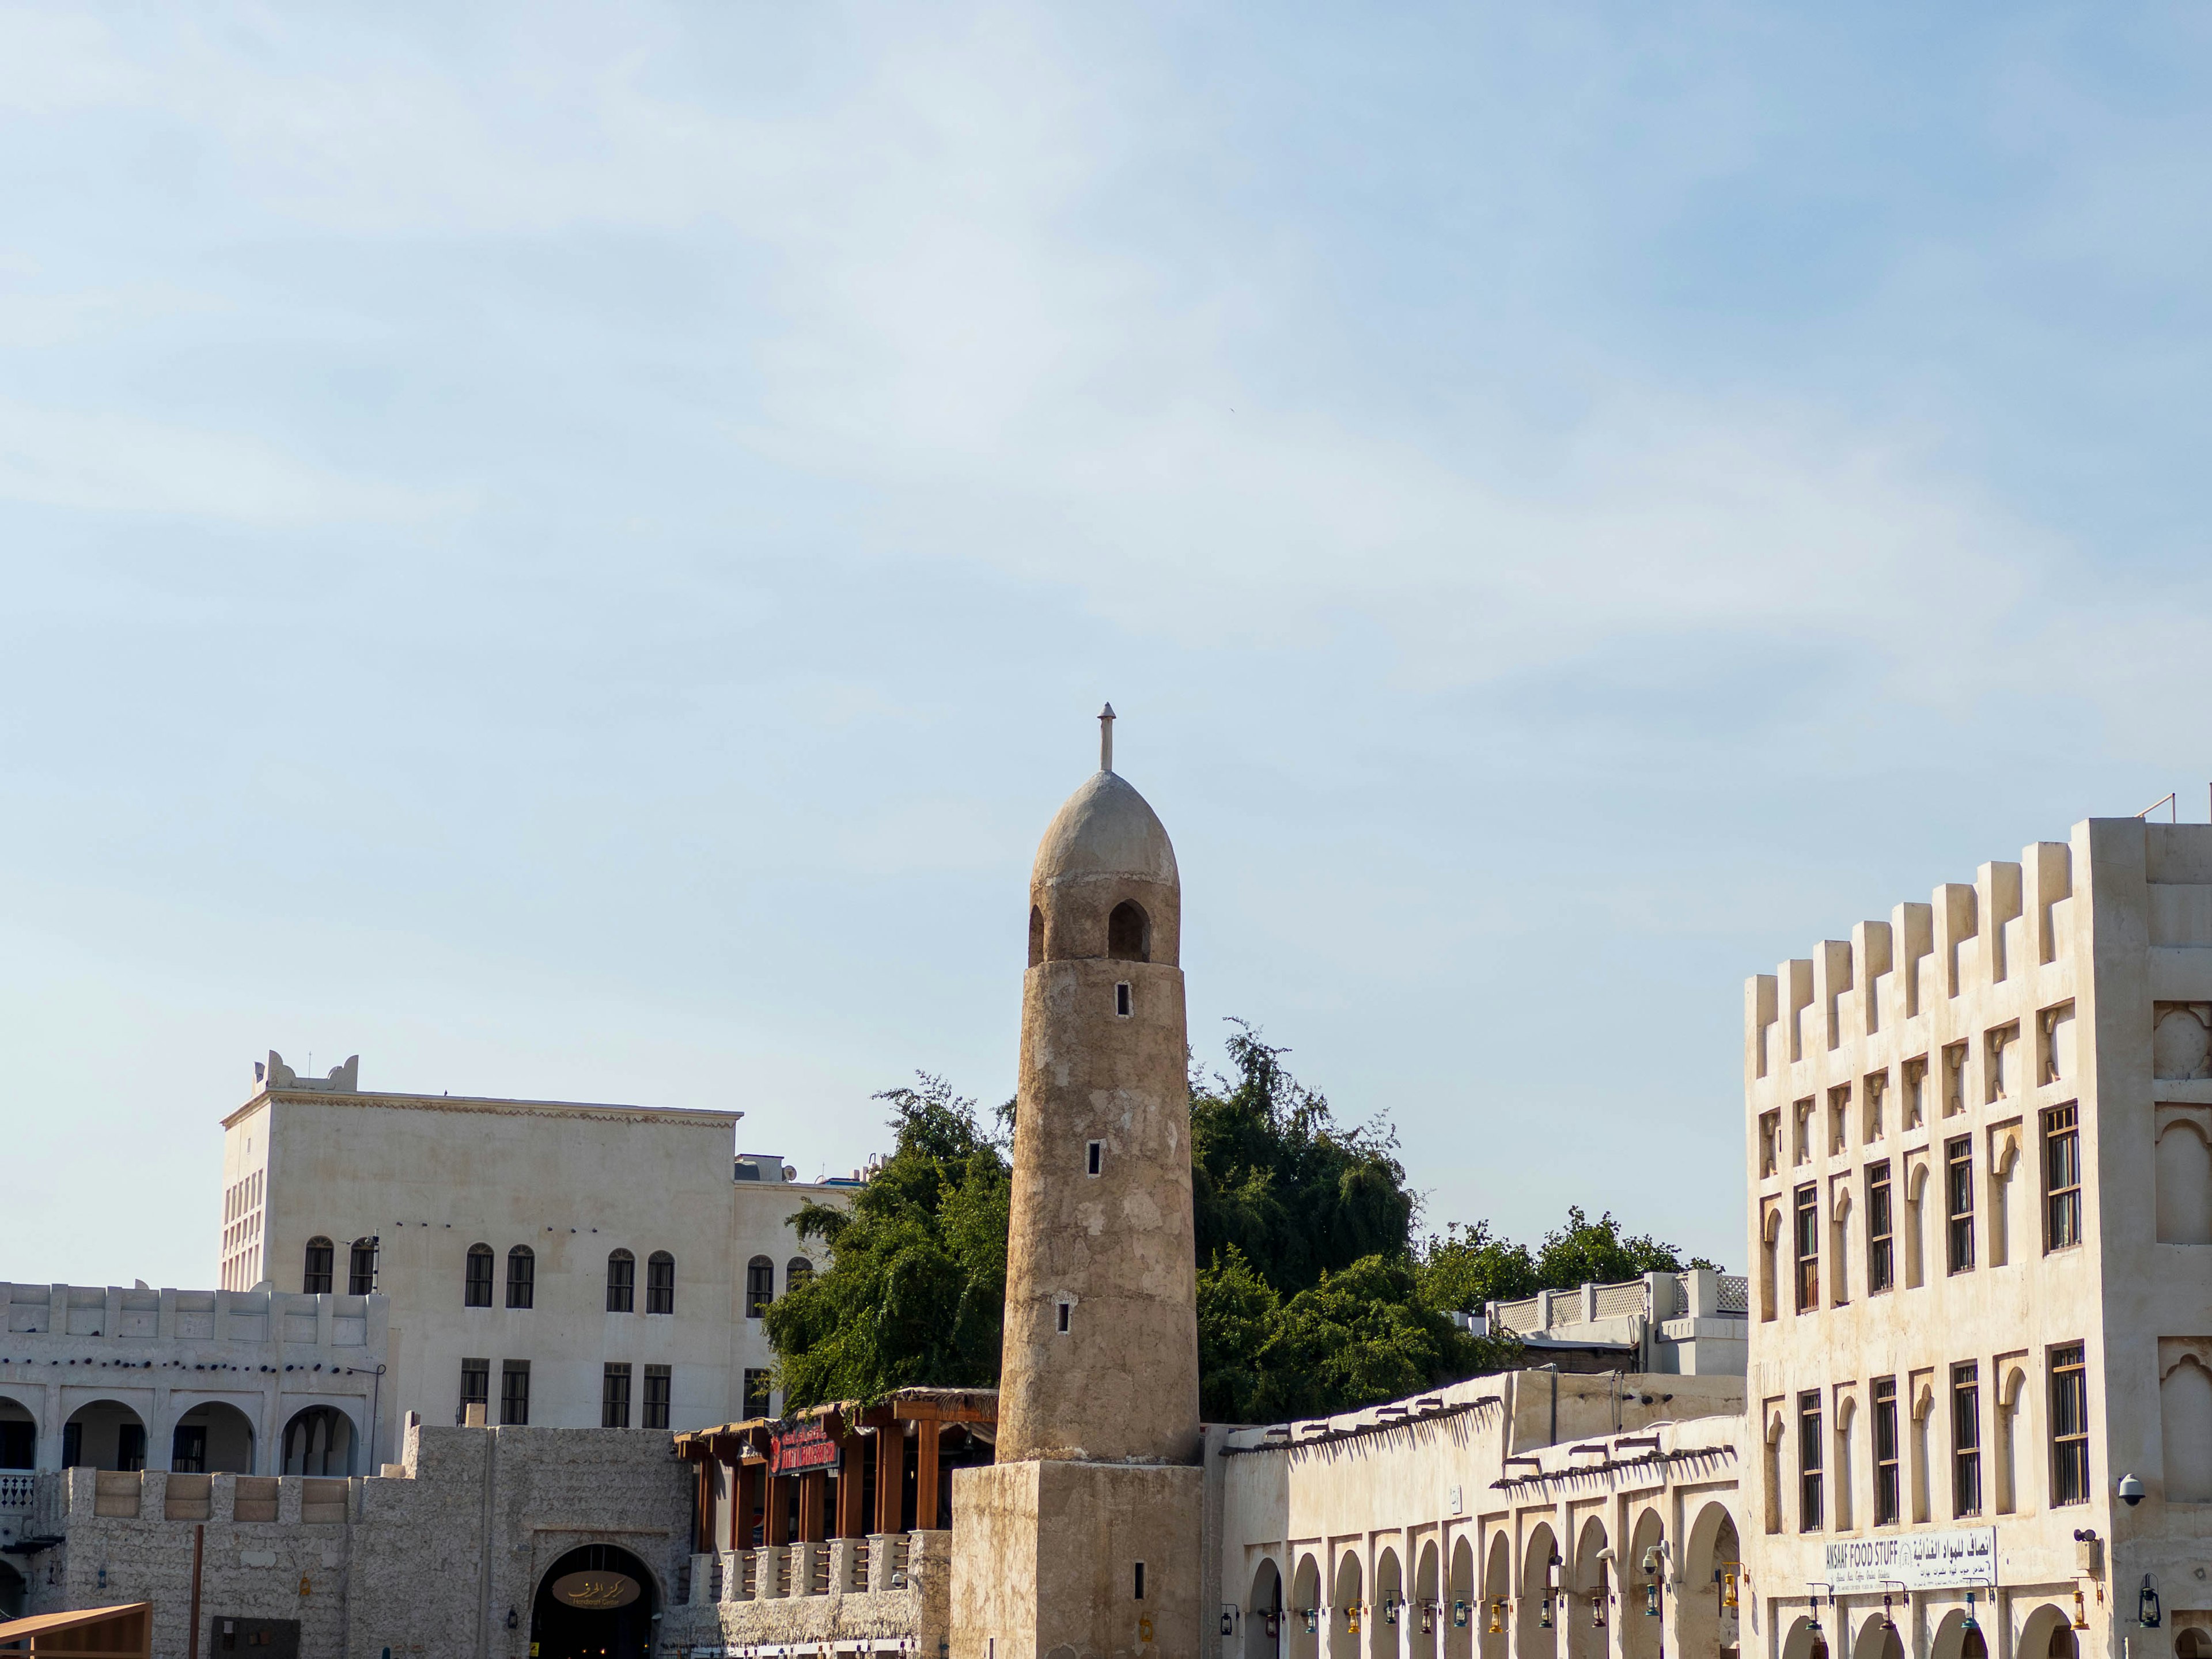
(791, 1451)
(1915, 1561)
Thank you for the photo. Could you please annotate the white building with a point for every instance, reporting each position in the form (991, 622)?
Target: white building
(572, 1266)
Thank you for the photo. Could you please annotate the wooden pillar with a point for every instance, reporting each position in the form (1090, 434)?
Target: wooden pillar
(850, 1521)
(702, 1530)
(925, 1474)
(891, 1473)
(744, 1486)
(811, 1486)
(778, 1509)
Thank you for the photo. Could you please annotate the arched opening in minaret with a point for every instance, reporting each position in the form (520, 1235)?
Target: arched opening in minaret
(1129, 932)
(1036, 936)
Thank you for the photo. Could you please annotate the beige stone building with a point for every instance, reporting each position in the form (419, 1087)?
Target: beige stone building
(567, 1265)
(1981, 1215)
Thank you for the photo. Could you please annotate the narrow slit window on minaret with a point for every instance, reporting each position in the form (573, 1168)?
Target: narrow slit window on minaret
(1140, 1581)
(1066, 1310)
(1121, 999)
(1097, 1156)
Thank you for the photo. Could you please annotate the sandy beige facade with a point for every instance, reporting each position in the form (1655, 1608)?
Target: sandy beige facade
(523, 1247)
(1982, 1222)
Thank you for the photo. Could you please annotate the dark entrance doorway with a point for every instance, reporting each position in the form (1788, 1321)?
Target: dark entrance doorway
(596, 1602)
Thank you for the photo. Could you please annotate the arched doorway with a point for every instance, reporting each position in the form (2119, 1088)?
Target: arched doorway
(1806, 1640)
(1344, 1608)
(1464, 1614)
(2048, 1633)
(1306, 1610)
(1706, 1612)
(318, 1441)
(212, 1439)
(1640, 1633)
(14, 1593)
(105, 1434)
(1427, 1612)
(1958, 1637)
(1495, 1607)
(595, 1602)
(1588, 1605)
(1389, 1607)
(1878, 1637)
(1263, 1614)
(1542, 1563)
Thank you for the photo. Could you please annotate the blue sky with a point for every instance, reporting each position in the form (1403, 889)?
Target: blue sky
(573, 553)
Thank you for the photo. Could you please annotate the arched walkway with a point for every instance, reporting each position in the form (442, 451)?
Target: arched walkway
(2047, 1633)
(1585, 1614)
(1464, 1617)
(1344, 1609)
(1306, 1610)
(19, 1435)
(1879, 1637)
(105, 1434)
(1713, 1564)
(213, 1438)
(1804, 1640)
(1428, 1610)
(1494, 1611)
(1639, 1630)
(1263, 1614)
(14, 1593)
(1388, 1609)
(1954, 1640)
(1541, 1564)
(319, 1440)
(595, 1601)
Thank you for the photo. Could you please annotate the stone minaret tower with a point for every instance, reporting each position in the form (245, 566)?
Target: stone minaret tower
(1101, 1357)
(1084, 1535)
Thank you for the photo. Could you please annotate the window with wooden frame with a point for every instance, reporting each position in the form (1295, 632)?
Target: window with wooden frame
(1880, 1230)
(2070, 1425)
(2061, 1178)
(1806, 1237)
(1958, 1203)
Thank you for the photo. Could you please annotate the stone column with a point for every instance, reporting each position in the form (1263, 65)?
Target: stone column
(880, 1547)
(223, 1499)
(703, 1581)
(771, 1558)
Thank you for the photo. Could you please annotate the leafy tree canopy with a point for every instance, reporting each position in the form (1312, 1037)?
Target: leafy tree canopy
(917, 1286)
(1467, 1266)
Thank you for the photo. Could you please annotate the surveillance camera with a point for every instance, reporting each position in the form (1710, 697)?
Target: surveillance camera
(2131, 1491)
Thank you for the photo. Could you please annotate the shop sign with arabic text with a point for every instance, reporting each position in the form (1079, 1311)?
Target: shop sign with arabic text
(792, 1451)
(1917, 1560)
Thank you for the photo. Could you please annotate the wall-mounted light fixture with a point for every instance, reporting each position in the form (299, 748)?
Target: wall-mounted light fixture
(2147, 1607)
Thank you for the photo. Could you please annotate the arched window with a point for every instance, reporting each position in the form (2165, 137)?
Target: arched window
(621, 1282)
(760, 1285)
(477, 1291)
(1036, 936)
(361, 1268)
(660, 1282)
(315, 1278)
(1129, 932)
(796, 1273)
(522, 1276)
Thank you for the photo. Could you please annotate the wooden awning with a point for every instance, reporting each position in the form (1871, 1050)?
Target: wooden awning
(123, 1632)
(749, 1439)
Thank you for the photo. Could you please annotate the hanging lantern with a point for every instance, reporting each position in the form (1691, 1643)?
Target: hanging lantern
(1428, 1617)
(1313, 1619)
(1351, 1618)
(1390, 1611)
(1273, 1624)
(2081, 1613)
(1887, 1623)
(2147, 1609)
(1728, 1590)
(1971, 1625)
(1597, 1609)
(1652, 1599)
(1497, 1615)
(1544, 1613)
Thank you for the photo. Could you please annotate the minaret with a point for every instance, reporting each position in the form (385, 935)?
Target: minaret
(1084, 1536)
(1101, 1356)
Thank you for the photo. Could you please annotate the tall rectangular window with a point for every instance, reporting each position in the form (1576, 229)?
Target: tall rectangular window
(658, 1386)
(1958, 1197)
(521, 1277)
(478, 1291)
(1882, 1229)
(1808, 1461)
(660, 1282)
(475, 1387)
(2061, 1178)
(1885, 1461)
(1807, 1236)
(315, 1273)
(621, 1282)
(614, 1397)
(1965, 1440)
(2070, 1425)
(514, 1391)
(757, 1393)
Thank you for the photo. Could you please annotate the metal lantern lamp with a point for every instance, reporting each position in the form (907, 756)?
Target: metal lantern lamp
(1971, 1625)
(1597, 1609)
(1428, 1617)
(2080, 1612)
(1228, 1622)
(1887, 1623)
(2147, 1608)
(1496, 1616)
(1351, 1618)
(1313, 1620)
(1728, 1590)
(1390, 1606)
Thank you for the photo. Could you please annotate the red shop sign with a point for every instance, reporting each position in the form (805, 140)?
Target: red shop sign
(806, 1446)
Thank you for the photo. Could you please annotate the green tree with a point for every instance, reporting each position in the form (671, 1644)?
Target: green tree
(1467, 1266)
(916, 1287)
(1274, 1177)
(1585, 1252)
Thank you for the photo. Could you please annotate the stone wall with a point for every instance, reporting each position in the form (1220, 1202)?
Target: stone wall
(885, 1592)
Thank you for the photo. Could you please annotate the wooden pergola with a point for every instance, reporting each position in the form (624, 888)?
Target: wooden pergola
(123, 1632)
(863, 1445)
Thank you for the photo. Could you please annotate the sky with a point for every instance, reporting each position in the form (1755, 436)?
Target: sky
(572, 552)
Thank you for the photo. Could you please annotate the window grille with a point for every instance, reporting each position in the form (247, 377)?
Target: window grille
(1958, 1191)
(660, 1282)
(1965, 1439)
(521, 1277)
(1886, 1484)
(476, 1290)
(2061, 1178)
(2070, 1425)
(614, 1397)
(315, 1277)
(658, 1386)
(1808, 1239)
(760, 1285)
(621, 1282)
(361, 1268)
(514, 1391)
(475, 1387)
(1808, 1461)
(1881, 1258)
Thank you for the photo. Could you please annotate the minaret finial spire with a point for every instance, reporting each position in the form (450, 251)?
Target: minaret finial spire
(1106, 739)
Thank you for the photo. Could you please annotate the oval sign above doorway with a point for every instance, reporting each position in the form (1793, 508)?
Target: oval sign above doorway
(595, 1589)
